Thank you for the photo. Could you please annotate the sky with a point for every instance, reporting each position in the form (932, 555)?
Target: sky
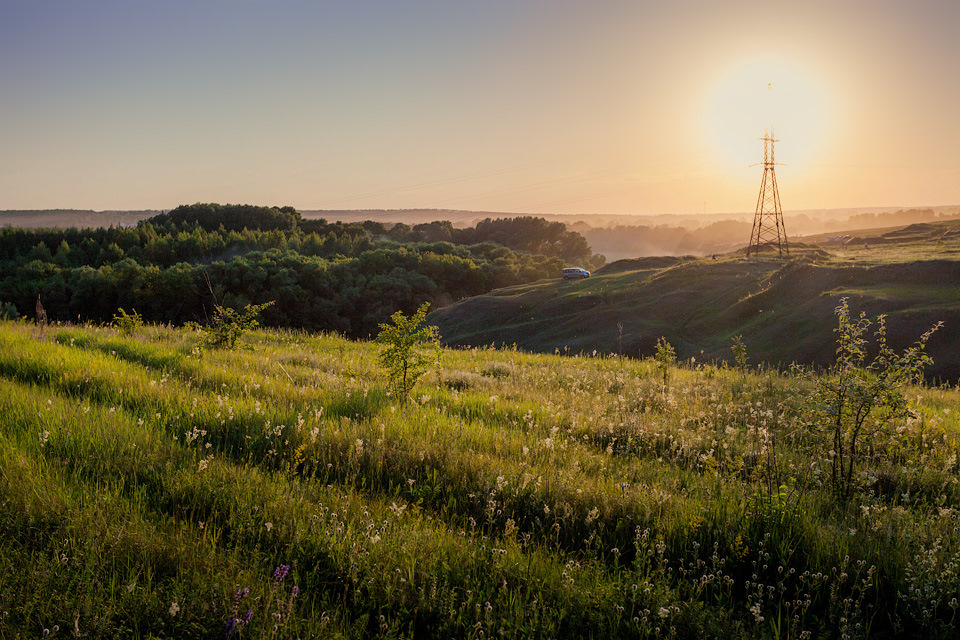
(526, 106)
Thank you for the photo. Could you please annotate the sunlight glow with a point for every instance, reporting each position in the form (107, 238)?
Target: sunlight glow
(755, 95)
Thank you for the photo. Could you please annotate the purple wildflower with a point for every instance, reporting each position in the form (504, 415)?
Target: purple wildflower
(281, 572)
(245, 620)
(296, 590)
(230, 626)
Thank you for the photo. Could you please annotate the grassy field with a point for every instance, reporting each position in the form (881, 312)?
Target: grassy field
(278, 490)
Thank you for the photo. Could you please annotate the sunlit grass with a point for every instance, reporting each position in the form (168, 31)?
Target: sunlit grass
(278, 489)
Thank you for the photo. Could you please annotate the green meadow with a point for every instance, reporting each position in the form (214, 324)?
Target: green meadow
(152, 489)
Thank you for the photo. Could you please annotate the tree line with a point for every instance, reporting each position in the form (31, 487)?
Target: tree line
(322, 276)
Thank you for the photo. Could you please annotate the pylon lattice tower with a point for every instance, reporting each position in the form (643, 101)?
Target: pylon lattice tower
(768, 230)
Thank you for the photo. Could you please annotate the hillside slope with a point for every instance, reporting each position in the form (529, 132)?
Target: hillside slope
(783, 309)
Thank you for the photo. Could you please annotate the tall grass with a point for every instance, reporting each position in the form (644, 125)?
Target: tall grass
(279, 490)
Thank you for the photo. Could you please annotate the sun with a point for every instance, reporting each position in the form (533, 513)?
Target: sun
(760, 94)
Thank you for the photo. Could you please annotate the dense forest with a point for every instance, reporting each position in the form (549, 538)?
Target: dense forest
(176, 266)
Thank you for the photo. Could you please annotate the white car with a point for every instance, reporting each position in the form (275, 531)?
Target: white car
(573, 273)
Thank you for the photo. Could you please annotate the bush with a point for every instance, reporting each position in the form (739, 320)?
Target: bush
(127, 323)
(409, 350)
(227, 325)
(665, 357)
(739, 353)
(855, 400)
(8, 311)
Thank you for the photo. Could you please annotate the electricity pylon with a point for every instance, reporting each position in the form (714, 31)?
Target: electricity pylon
(768, 230)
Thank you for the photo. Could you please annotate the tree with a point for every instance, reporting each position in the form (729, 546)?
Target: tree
(665, 357)
(227, 325)
(127, 323)
(408, 349)
(739, 353)
(857, 398)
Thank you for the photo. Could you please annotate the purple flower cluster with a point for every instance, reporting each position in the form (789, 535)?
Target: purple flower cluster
(281, 572)
(234, 622)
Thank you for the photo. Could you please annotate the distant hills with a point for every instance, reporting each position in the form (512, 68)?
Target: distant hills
(784, 309)
(614, 236)
(79, 218)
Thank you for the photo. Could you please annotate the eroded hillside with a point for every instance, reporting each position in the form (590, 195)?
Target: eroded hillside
(784, 309)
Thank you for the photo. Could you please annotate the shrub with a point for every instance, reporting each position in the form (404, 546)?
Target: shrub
(408, 349)
(8, 311)
(739, 353)
(856, 398)
(227, 325)
(127, 323)
(665, 357)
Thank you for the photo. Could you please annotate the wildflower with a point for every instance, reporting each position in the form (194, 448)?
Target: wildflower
(281, 572)
(174, 608)
(593, 515)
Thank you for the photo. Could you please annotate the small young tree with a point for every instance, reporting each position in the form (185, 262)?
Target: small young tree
(408, 349)
(127, 323)
(665, 357)
(857, 398)
(227, 325)
(739, 353)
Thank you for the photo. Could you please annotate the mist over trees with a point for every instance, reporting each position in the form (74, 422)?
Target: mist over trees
(175, 267)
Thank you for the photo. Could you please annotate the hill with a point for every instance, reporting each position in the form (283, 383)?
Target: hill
(782, 308)
(178, 266)
(149, 488)
(66, 218)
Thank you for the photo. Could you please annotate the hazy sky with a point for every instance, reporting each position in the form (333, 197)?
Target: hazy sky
(535, 106)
